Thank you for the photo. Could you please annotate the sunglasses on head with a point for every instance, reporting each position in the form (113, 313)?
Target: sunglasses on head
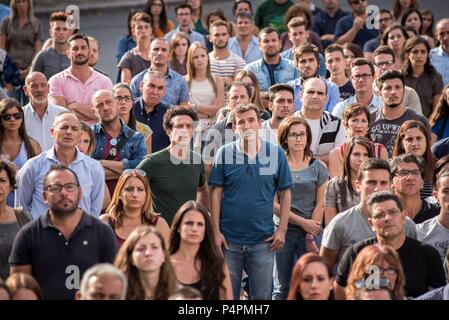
(17, 116)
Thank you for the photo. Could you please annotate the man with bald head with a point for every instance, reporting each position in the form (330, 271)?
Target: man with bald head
(327, 130)
(66, 133)
(39, 114)
(117, 146)
(439, 56)
(177, 92)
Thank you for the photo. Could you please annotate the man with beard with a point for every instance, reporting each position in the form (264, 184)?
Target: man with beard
(242, 214)
(272, 68)
(177, 92)
(357, 27)
(386, 121)
(53, 59)
(39, 114)
(74, 87)
(245, 44)
(439, 56)
(223, 63)
(281, 106)
(422, 266)
(59, 246)
(307, 63)
(66, 132)
(117, 146)
(176, 173)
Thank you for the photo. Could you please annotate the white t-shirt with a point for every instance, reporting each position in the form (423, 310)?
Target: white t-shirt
(432, 232)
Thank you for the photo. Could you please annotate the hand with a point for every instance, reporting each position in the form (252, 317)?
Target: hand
(8, 87)
(328, 37)
(23, 73)
(220, 241)
(311, 226)
(277, 240)
(359, 22)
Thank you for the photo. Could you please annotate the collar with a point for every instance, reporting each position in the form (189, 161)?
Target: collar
(85, 222)
(51, 154)
(439, 51)
(125, 130)
(157, 108)
(178, 30)
(93, 76)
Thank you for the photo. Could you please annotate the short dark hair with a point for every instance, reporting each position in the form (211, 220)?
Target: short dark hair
(357, 62)
(389, 75)
(60, 167)
(384, 50)
(244, 108)
(183, 6)
(395, 162)
(244, 15)
(58, 16)
(307, 48)
(268, 30)
(382, 196)
(373, 164)
(274, 89)
(334, 48)
(79, 36)
(237, 2)
(178, 111)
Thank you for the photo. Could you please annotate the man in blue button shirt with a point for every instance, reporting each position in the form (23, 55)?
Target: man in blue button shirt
(245, 177)
(245, 44)
(439, 56)
(149, 109)
(183, 13)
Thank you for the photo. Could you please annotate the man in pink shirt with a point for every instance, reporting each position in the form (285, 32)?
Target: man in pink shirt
(74, 87)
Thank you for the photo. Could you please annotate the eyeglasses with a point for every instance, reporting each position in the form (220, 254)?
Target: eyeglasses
(389, 271)
(57, 188)
(295, 136)
(405, 173)
(356, 1)
(17, 116)
(137, 171)
(384, 64)
(123, 98)
(363, 76)
(384, 20)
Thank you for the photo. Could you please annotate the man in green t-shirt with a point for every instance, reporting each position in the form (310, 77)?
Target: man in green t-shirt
(176, 173)
(270, 13)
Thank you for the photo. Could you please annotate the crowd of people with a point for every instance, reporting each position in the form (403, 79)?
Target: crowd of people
(293, 151)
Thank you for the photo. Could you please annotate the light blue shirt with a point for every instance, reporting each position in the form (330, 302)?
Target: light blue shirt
(253, 52)
(193, 36)
(333, 94)
(283, 73)
(176, 90)
(289, 54)
(375, 104)
(440, 60)
(30, 182)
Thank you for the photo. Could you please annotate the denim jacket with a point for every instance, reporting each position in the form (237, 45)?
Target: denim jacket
(131, 153)
(283, 73)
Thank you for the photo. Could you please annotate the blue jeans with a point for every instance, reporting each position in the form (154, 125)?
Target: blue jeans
(285, 259)
(258, 262)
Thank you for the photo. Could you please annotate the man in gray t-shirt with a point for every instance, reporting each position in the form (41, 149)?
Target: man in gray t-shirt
(435, 231)
(53, 59)
(352, 225)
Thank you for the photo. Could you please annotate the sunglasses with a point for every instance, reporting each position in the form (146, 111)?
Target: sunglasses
(136, 171)
(7, 117)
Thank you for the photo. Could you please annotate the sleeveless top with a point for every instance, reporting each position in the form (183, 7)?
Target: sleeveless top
(197, 285)
(202, 93)
(19, 161)
(120, 240)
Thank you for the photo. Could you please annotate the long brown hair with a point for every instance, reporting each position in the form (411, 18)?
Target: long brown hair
(174, 43)
(212, 263)
(167, 283)
(442, 108)
(115, 209)
(296, 280)
(191, 71)
(407, 67)
(371, 256)
(5, 105)
(428, 155)
(284, 130)
(255, 94)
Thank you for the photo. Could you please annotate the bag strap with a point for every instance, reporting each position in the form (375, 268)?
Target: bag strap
(21, 216)
(120, 144)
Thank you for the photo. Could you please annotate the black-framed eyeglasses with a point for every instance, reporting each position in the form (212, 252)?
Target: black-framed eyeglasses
(295, 136)
(123, 98)
(7, 116)
(57, 188)
(384, 64)
(363, 76)
(406, 173)
(137, 171)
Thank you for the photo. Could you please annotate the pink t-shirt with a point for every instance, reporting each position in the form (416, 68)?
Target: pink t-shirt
(65, 84)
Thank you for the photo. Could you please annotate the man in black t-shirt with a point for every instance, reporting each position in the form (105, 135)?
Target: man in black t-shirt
(421, 263)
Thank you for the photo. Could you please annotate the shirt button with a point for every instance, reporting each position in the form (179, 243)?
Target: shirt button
(66, 243)
(59, 234)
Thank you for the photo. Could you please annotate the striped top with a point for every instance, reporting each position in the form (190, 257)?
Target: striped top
(226, 68)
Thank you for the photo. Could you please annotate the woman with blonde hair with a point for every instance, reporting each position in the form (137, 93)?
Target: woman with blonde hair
(145, 261)
(132, 206)
(380, 260)
(206, 91)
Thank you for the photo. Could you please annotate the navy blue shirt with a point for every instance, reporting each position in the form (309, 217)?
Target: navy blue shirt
(363, 36)
(154, 119)
(58, 263)
(325, 24)
(441, 148)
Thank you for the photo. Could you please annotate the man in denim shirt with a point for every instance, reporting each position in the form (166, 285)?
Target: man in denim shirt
(271, 69)
(117, 146)
(244, 44)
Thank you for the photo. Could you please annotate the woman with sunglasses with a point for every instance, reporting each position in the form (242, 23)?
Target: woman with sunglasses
(15, 145)
(382, 259)
(122, 93)
(146, 263)
(131, 206)
(194, 255)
